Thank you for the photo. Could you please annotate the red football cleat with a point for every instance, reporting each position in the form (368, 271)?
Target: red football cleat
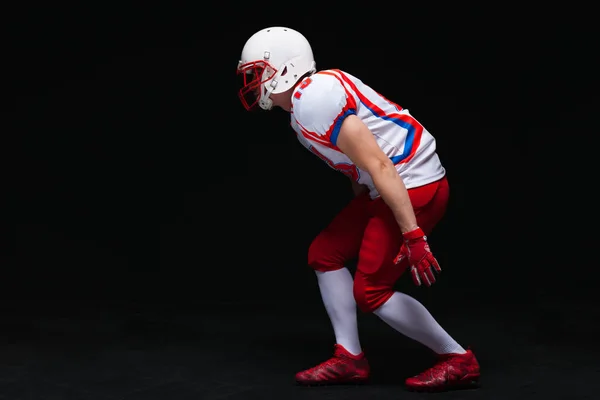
(453, 371)
(342, 368)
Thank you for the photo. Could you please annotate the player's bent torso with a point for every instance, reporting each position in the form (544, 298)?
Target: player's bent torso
(320, 104)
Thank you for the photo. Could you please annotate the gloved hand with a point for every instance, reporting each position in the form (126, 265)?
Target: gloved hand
(422, 262)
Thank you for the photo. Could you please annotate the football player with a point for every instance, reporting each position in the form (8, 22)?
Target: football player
(401, 193)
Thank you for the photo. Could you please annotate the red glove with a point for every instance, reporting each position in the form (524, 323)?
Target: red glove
(422, 262)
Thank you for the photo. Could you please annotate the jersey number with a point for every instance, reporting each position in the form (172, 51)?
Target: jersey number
(349, 170)
(301, 87)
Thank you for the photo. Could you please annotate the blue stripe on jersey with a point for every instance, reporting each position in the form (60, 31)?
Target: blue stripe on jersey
(409, 137)
(338, 125)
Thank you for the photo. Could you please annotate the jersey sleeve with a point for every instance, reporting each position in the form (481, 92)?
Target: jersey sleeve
(320, 104)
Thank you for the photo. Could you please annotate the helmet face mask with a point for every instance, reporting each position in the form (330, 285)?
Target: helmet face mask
(255, 75)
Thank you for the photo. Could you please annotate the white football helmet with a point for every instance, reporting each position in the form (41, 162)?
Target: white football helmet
(272, 61)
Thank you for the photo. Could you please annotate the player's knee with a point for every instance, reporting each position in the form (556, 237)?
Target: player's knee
(370, 297)
(360, 296)
(322, 260)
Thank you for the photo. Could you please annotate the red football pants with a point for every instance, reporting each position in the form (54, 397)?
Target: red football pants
(367, 229)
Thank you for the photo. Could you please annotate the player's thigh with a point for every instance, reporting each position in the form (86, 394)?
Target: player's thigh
(379, 246)
(430, 203)
(382, 237)
(340, 241)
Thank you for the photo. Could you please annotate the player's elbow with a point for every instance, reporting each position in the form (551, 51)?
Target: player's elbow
(381, 167)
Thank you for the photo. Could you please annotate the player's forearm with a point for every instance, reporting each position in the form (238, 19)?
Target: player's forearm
(393, 191)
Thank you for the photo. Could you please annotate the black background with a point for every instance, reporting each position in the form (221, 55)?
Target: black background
(135, 180)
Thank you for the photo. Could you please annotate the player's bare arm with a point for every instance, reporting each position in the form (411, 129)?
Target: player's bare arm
(359, 144)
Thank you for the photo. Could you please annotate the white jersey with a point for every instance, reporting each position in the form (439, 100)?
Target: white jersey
(321, 102)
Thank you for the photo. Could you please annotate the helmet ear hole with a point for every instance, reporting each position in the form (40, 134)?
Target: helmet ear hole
(283, 73)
